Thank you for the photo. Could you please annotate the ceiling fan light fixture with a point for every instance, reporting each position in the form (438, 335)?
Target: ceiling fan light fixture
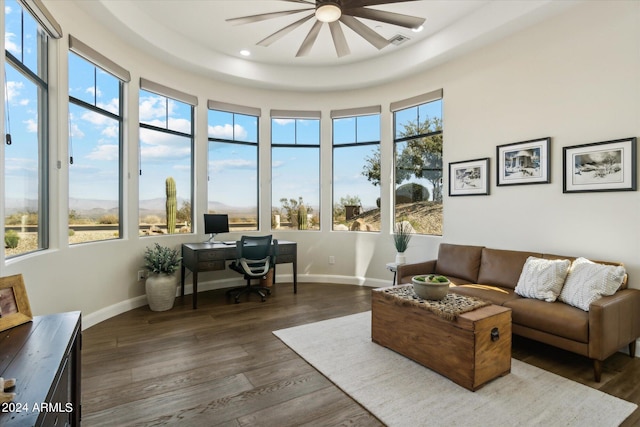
(328, 12)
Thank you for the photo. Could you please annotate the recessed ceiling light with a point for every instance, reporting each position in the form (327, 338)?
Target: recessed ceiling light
(245, 52)
(417, 30)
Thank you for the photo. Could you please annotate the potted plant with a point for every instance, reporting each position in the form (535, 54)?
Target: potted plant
(430, 286)
(401, 237)
(161, 262)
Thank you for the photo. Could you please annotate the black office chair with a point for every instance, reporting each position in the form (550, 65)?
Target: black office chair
(254, 258)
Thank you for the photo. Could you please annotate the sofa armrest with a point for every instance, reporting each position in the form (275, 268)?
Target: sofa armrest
(614, 322)
(405, 272)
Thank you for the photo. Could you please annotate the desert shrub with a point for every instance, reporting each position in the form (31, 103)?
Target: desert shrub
(71, 232)
(151, 219)
(108, 219)
(11, 239)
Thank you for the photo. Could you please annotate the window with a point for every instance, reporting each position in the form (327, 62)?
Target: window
(166, 147)
(233, 165)
(356, 150)
(295, 170)
(95, 151)
(26, 123)
(418, 162)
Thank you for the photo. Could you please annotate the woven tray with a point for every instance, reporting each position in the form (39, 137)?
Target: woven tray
(450, 307)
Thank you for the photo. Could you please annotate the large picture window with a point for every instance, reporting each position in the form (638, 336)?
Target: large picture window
(95, 151)
(356, 146)
(166, 159)
(233, 166)
(295, 170)
(26, 124)
(418, 162)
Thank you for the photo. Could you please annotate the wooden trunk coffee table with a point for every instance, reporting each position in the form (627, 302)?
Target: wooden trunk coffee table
(470, 350)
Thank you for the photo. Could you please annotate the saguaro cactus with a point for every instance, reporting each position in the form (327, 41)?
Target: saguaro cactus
(302, 218)
(172, 205)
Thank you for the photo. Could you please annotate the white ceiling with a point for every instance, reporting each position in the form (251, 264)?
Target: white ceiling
(194, 34)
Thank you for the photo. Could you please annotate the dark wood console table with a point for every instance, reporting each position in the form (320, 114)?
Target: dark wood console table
(44, 357)
(199, 257)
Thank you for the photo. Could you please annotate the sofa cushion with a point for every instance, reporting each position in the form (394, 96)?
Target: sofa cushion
(493, 294)
(588, 281)
(502, 267)
(554, 318)
(462, 261)
(542, 278)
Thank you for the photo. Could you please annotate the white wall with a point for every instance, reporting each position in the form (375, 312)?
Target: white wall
(575, 78)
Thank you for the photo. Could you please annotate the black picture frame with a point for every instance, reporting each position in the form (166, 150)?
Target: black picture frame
(600, 166)
(525, 162)
(469, 178)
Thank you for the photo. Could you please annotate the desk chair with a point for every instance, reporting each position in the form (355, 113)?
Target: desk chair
(254, 258)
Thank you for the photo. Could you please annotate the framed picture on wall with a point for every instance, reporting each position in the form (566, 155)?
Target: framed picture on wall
(14, 304)
(600, 166)
(469, 178)
(525, 162)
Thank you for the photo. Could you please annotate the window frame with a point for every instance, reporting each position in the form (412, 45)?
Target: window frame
(247, 112)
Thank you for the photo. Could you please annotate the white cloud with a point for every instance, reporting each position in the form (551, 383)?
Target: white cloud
(106, 152)
(32, 125)
(113, 106)
(152, 107)
(221, 165)
(13, 90)
(75, 131)
(93, 91)
(227, 131)
(10, 45)
(283, 122)
(110, 131)
(96, 119)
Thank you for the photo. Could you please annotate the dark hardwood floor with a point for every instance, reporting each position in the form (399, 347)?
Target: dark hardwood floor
(220, 365)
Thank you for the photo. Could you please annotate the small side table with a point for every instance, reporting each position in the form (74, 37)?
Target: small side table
(392, 266)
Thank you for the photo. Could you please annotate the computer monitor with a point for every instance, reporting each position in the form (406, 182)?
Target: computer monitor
(215, 224)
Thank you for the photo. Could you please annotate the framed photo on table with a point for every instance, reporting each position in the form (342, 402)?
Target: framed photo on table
(14, 304)
(525, 162)
(469, 178)
(600, 166)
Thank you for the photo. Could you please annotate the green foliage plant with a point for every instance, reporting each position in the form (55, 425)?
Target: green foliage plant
(11, 239)
(161, 259)
(402, 235)
(172, 205)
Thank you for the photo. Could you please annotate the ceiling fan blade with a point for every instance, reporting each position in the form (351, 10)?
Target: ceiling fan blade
(308, 41)
(283, 31)
(263, 16)
(339, 41)
(384, 16)
(365, 32)
(347, 4)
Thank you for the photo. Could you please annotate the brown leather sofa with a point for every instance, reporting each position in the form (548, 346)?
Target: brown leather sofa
(611, 323)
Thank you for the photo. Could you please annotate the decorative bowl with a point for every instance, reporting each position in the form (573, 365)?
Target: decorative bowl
(430, 286)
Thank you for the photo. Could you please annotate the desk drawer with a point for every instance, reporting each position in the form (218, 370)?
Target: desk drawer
(214, 255)
(283, 259)
(286, 249)
(211, 265)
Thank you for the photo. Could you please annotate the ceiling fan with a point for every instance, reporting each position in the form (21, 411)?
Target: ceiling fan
(334, 12)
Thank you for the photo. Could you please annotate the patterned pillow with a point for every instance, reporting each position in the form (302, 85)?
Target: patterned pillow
(542, 278)
(588, 281)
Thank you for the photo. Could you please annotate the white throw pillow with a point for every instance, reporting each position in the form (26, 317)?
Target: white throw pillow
(588, 281)
(542, 278)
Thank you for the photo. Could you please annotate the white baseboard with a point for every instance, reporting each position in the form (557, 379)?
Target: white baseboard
(91, 319)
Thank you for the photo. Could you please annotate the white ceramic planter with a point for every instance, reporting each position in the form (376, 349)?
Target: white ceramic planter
(161, 291)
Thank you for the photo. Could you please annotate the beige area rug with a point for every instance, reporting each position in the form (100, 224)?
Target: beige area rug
(401, 392)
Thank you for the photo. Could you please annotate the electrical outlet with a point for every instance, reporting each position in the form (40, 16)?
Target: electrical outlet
(142, 275)
(332, 260)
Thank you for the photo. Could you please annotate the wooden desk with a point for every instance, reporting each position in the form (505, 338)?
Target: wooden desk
(199, 257)
(44, 358)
